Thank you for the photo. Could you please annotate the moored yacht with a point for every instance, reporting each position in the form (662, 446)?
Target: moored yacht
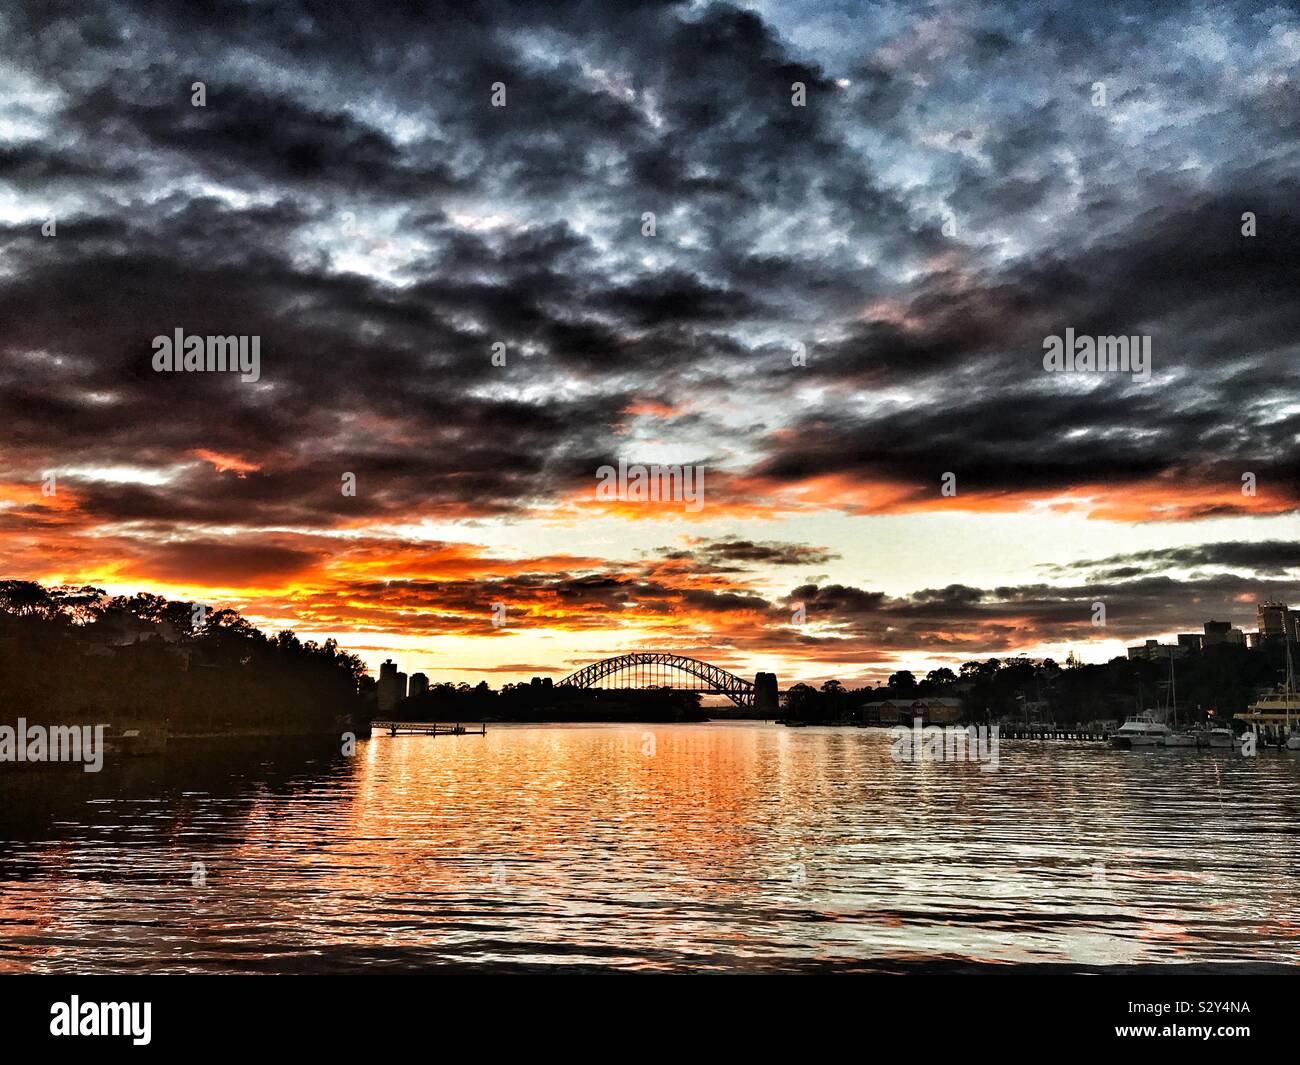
(1221, 737)
(1282, 705)
(1141, 730)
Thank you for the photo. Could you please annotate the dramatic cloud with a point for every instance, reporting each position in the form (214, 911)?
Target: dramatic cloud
(1268, 558)
(734, 553)
(829, 306)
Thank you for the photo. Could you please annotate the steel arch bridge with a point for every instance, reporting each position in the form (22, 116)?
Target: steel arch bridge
(654, 669)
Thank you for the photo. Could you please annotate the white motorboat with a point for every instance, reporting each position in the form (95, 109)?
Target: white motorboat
(1141, 730)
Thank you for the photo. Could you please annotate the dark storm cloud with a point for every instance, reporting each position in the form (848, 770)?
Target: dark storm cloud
(1269, 558)
(1001, 619)
(836, 600)
(1004, 440)
(253, 138)
(350, 195)
(227, 564)
(1215, 304)
(732, 549)
(731, 553)
(1184, 274)
(35, 167)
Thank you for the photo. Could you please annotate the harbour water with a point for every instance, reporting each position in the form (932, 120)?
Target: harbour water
(729, 847)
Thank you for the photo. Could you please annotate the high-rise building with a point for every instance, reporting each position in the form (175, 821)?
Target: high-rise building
(392, 685)
(1275, 622)
(1191, 641)
(1222, 632)
(419, 684)
(1154, 650)
(1216, 632)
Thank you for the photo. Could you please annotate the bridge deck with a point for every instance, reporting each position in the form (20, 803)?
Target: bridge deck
(428, 728)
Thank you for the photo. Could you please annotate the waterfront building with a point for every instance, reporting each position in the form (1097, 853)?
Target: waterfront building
(937, 711)
(419, 684)
(886, 712)
(931, 710)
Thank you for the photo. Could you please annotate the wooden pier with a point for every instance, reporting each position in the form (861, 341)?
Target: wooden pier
(428, 728)
(1054, 732)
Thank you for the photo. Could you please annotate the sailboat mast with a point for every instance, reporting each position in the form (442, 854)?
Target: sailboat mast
(1290, 682)
(1173, 689)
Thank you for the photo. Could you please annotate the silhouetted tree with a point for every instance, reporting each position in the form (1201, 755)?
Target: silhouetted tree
(903, 683)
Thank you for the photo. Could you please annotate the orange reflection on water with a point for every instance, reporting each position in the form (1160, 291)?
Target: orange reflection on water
(724, 846)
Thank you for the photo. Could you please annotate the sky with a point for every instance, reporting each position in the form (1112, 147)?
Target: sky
(838, 313)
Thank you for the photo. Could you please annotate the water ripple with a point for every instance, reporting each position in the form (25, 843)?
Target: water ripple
(733, 848)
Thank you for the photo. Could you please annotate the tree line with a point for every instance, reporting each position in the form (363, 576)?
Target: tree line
(1223, 678)
(76, 654)
(542, 700)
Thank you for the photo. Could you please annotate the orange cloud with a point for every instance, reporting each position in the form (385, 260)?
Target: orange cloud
(1151, 500)
(651, 408)
(226, 463)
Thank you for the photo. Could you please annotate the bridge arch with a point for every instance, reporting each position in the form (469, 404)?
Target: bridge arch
(714, 680)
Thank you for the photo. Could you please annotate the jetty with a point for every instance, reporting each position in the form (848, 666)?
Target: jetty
(429, 728)
(1055, 732)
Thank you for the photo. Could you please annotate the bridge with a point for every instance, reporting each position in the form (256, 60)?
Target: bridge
(662, 669)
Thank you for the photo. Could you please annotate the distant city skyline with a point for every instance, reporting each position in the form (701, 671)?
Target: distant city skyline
(1275, 621)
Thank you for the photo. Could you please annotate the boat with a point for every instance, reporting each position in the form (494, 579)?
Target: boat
(1292, 736)
(1141, 730)
(137, 742)
(1177, 737)
(1220, 737)
(1281, 704)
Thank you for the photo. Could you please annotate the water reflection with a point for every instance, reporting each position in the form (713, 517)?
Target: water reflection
(731, 847)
